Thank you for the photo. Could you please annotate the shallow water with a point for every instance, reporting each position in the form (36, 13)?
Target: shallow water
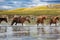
(10, 34)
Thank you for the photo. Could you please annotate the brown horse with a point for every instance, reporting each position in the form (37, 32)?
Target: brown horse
(54, 20)
(41, 19)
(3, 19)
(20, 20)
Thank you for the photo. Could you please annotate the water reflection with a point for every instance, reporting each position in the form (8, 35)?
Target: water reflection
(31, 32)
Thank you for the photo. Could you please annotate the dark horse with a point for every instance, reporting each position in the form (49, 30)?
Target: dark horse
(54, 20)
(41, 20)
(3, 19)
(20, 20)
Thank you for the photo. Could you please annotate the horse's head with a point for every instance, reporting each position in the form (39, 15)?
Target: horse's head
(27, 19)
(44, 17)
(57, 18)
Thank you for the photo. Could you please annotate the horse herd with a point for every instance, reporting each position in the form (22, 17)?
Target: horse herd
(39, 19)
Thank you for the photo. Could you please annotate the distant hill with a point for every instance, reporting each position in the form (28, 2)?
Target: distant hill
(48, 9)
(56, 6)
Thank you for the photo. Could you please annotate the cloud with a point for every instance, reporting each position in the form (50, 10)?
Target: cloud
(21, 3)
(2, 0)
(38, 2)
(17, 2)
(50, 0)
(6, 7)
(34, 3)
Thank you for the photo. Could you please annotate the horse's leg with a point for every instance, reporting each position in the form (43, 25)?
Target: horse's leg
(6, 20)
(38, 28)
(50, 24)
(0, 21)
(37, 24)
(12, 22)
(56, 24)
(16, 23)
(42, 24)
(22, 24)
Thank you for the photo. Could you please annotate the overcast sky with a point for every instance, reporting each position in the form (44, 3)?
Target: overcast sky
(11, 4)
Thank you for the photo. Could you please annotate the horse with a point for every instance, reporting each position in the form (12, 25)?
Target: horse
(20, 20)
(41, 19)
(54, 20)
(3, 19)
